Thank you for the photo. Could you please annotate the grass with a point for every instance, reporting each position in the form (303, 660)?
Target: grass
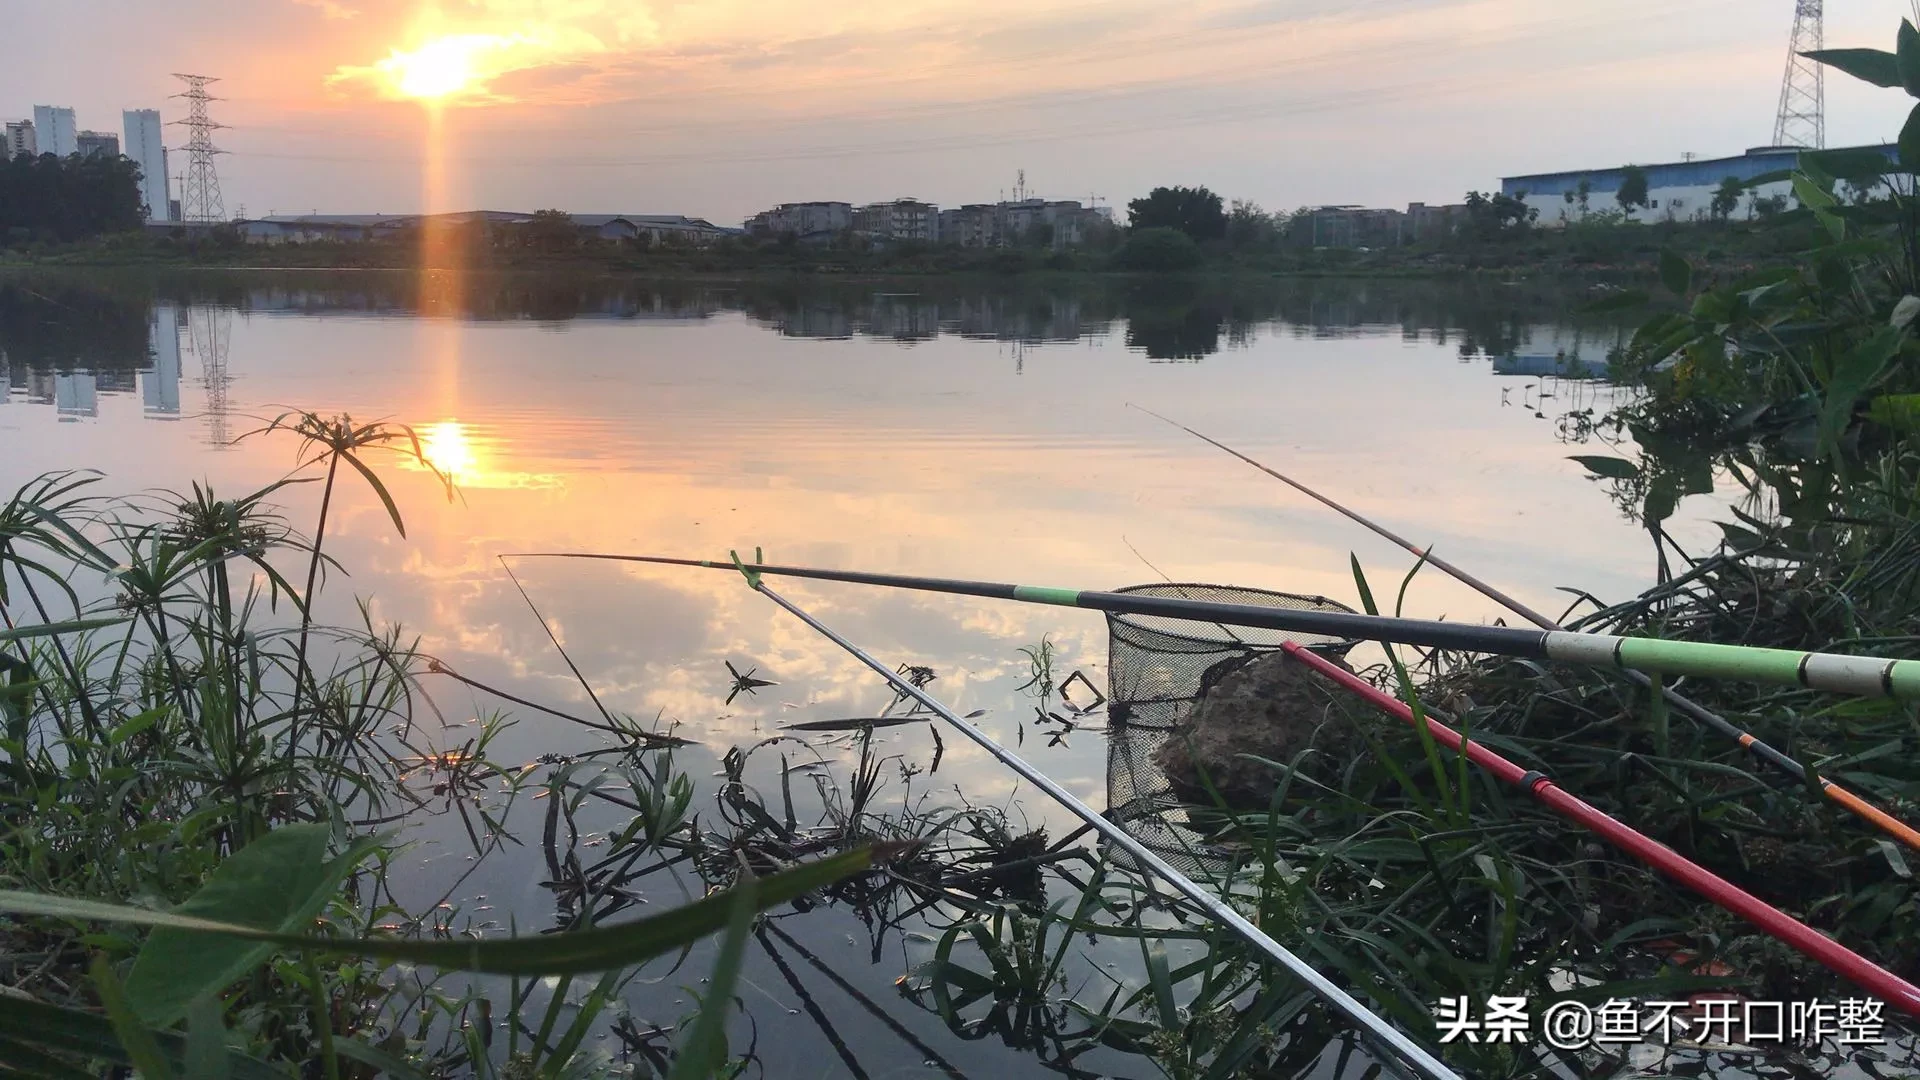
(194, 774)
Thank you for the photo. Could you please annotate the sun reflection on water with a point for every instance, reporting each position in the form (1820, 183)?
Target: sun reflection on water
(470, 458)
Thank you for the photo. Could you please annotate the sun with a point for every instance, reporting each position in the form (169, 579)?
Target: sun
(454, 66)
(448, 447)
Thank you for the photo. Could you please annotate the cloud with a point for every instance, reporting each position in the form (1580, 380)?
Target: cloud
(332, 9)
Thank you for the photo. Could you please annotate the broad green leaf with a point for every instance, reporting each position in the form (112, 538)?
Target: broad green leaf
(130, 1029)
(1609, 467)
(1852, 374)
(1910, 140)
(1675, 273)
(1899, 411)
(1876, 66)
(1908, 58)
(574, 953)
(278, 883)
(1904, 311)
(66, 1030)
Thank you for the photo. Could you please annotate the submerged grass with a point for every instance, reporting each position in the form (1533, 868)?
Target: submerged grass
(187, 748)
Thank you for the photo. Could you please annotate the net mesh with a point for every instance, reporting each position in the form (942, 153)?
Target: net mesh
(1158, 669)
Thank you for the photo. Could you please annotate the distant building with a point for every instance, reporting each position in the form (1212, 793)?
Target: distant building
(900, 219)
(352, 228)
(145, 147)
(1676, 190)
(1065, 222)
(1348, 227)
(20, 140)
(98, 144)
(975, 225)
(1433, 222)
(55, 131)
(808, 222)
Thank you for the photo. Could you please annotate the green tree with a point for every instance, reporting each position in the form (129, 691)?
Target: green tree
(552, 230)
(1249, 227)
(1194, 211)
(63, 200)
(1727, 199)
(1159, 250)
(1491, 217)
(1633, 189)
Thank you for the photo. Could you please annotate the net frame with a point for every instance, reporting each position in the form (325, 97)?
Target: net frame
(1158, 669)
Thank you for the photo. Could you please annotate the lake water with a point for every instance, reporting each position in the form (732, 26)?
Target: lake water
(940, 428)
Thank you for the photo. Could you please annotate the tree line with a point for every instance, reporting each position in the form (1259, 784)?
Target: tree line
(46, 198)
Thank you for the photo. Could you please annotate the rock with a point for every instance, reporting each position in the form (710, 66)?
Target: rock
(1270, 707)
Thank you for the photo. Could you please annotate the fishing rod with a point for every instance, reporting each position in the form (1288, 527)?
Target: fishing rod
(1783, 927)
(1778, 924)
(1390, 1042)
(1865, 676)
(1699, 713)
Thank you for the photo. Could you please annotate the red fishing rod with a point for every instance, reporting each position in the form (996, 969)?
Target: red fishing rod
(1836, 957)
(1886, 822)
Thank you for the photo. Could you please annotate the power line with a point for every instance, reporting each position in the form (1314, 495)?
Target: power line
(200, 196)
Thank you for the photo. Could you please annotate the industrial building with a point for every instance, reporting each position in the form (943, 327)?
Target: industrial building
(55, 131)
(1676, 190)
(145, 147)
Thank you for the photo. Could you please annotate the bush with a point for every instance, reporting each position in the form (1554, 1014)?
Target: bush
(1159, 251)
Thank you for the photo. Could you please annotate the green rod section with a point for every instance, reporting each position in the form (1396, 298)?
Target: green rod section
(1866, 676)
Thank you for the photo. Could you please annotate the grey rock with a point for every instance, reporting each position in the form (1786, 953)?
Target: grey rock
(1272, 707)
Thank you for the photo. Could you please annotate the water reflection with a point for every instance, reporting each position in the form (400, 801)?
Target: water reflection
(690, 418)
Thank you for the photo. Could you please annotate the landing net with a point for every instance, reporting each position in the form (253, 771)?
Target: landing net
(1158, 669)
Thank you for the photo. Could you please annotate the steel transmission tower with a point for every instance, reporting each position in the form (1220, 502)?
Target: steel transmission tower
(200, 195)
(1802, 120)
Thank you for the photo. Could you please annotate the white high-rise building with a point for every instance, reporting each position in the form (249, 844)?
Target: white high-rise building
(55, 130)
(147, 151)
(20, 140)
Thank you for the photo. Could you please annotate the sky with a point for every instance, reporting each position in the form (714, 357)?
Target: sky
(720, 108)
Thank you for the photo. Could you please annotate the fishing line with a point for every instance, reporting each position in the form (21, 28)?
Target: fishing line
(1395, 1047)
(1693, 710)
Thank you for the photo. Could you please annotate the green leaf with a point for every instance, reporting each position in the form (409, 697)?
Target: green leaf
(1852, 374)
(131, 1031)
(71, 626)
(1162, 983)
(574, 953)
(1910, 140)
(706, 1048)
(379, 489)
(1898, 411)
(68, 1030)
(1872, 65)
(1895, 858)
(1904, 311)
(1908, 58)
(278, 883)
(1675, 273)
(1609, 467)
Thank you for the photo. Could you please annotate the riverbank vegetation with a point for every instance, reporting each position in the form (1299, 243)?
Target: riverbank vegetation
(184, 737)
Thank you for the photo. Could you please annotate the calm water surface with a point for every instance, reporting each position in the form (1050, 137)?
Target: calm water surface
(934, 428)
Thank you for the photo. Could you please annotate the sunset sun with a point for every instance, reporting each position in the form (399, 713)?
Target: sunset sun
(440, 69)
